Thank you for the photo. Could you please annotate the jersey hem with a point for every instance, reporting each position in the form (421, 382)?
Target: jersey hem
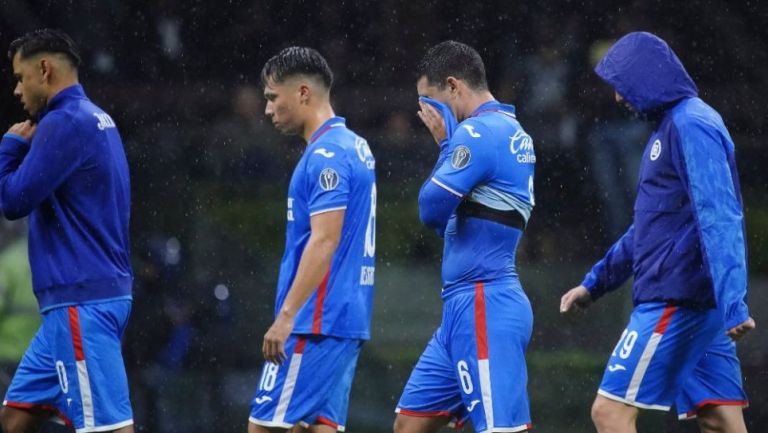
(610, 396)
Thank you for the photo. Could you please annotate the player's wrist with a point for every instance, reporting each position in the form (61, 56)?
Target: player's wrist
(287, 312)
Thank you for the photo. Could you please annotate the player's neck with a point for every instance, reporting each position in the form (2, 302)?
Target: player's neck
(316, 119)
(59, 85)
(475, 100)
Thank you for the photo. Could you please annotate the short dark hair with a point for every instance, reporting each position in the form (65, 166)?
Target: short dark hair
(297, 61)
(45, 41)
(451, 58)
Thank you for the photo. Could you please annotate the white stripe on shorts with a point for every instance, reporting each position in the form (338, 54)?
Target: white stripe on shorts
(287, 393)
(85, 395)
(485, 391)
(642, 367)
(105, 428)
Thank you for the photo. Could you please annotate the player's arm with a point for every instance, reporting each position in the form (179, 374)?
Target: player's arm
(463, 163)
(34, 162)
(606, 275)
(313, 266)
(703, 162)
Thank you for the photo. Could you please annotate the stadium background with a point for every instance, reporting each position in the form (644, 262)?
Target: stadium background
(210, 174)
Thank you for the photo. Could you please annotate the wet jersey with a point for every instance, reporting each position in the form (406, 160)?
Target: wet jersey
(336, 171)
(491, 164)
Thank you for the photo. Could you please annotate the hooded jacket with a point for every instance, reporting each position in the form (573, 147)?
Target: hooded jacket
(686, 245)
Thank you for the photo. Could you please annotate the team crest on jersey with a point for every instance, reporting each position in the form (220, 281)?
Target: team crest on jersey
(655, 150)
(329, 179)
(461, 157)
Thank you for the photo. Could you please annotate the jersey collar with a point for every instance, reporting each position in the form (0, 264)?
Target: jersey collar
(71, 92)
(333, 122)
(494, 106)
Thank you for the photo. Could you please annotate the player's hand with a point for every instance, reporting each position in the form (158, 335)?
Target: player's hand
(576, 299)
(433, 120)
(25, 129)
(740, 330)
(275, 338)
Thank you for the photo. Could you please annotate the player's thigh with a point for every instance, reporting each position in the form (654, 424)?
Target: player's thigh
(716, 381)
(13, 419)
(431, 394)
(721, 419)
(488, 340)
(656, 353)
(297, 389)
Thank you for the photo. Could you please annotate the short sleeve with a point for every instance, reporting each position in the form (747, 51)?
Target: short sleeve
(328, 178)
(471, 160)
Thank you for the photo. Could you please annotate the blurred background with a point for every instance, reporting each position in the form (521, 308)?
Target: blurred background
(209, 179)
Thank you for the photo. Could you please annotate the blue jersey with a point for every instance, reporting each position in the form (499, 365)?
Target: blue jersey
(687, 243)
(335, 172)
(72, 180)
(490, 162)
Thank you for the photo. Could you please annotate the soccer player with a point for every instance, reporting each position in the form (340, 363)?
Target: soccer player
(479, 198)
(66, 170)
(325, 286)
(686, 250)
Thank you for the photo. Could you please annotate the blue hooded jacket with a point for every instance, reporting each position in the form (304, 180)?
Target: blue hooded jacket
(687, 241)
(72, 181)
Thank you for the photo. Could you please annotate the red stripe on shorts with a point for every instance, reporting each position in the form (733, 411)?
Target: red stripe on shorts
(325, 421)
(480, 323)
(666, 317)
(317, 320)
(299, 349)
(74, 326)
(425, 414)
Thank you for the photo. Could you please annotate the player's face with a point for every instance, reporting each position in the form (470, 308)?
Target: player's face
(424, 88)
(444, 95)
(283, 106)
(29, 84)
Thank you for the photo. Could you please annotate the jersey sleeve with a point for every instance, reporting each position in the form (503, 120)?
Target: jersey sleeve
(707, 166)
(328, 178)
(29, 173)
(471, 159)
(614, 269)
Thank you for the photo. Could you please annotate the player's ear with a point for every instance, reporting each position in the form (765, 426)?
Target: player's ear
(304, 93)
(45, 69)
(453, 84)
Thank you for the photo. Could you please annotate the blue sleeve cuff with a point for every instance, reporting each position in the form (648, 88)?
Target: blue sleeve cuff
(736, 315)
(16, 137)
(590, 281)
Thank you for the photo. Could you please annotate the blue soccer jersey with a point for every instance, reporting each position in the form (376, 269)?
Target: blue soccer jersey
(335, 172)
(491, 165)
